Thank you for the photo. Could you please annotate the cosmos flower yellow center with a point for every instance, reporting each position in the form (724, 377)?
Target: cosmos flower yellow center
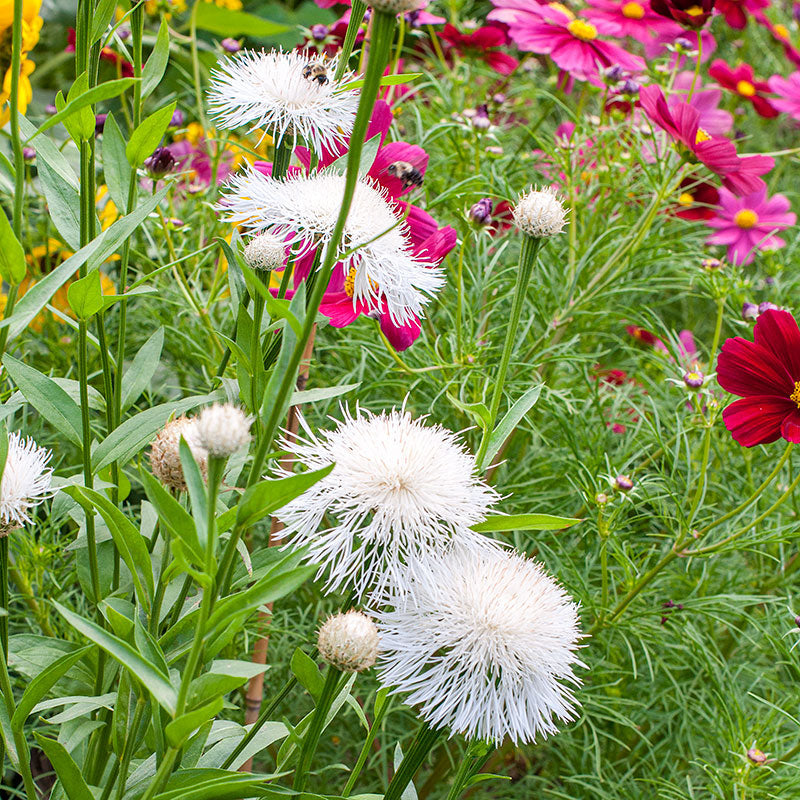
(745, 88)
(633, 10)
(582, 30)
(695, 11)
(746, 218)
(686, 199)
(350, 282)
(795, 395)
(701, 136)
(781, 31)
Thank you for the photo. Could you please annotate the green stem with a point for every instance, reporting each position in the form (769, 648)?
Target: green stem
(163, 773)
(380, 713)
(424, 742)
(315, 727)
(474, 759)
(357, 9)
(129, 748)
(527, 259)
(4, 592)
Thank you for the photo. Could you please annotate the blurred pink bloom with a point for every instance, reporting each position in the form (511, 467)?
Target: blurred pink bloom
(736, 11)
(788, 91)
(632, 18)
(658, 46)
(486, 42)
(705, 100)
(571, 42)
(742, 81)
(749, 223)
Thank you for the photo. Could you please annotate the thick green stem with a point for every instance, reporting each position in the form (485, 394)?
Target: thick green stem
(315, 727)
(527, 259)
(357, 9)
(474, 759)
(19, 739)
(424, 742)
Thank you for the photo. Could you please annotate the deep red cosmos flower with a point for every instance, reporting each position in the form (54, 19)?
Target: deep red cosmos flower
(736, 11)
(106, 54)
(487, 42)
(742, 82)
(689, 13)
(765, 373)
(697, 199)
(740, 174)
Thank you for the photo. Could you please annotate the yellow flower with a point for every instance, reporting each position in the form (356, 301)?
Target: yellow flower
(231, 5)
(31, 25)
(108, 213)
(164, 8)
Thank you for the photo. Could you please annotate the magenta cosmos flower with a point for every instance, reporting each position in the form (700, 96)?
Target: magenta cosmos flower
(741, 81)
(749, 223)
(765, 373)
(736, 11)
(740, 174)
(486, 42)
(788, 91)
(629, 18)
(570, 41)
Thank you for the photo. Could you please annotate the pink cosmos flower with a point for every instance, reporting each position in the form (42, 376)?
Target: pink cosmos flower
(659, 46)
(487, 42)
(570, 41)
(705, 99)
(781, 35)
(742, 82)
(746, 224)
(632, 18)
(740, 174)
(736, 11)
(788, 91)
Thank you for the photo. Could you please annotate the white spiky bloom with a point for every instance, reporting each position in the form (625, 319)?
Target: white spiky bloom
(222, 429)
(302, 211)
(25, 484)
(483, 645)
(275, 91)
(540, 213)
(349, 641)
(265, 251)
(399, 490)
(165, 457)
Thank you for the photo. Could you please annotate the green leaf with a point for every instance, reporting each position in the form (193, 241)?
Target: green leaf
(46, 150)
(196, 488)
(47, 397)
(227, 22)
(270, 495)
(477, 411)
(42, 684)
(130, 437)
(139, 374)
(63, 204)
(8, 737)
(97, 251)
(102, 17)
(141, 669)
(148, 135)
(269, 733)
(386, 80)
(129, 542)
(81, 121)
(12, 257)
(115, 164)
(103, 91)
(180, 729)
(306, 671)
(173, 515)
(156, 64)
(323, 393)
(525, 522)
(510, 421)
(86, 295)
(67, 770)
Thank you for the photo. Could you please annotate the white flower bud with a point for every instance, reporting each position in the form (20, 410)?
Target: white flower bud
(265, 251)
(222, 429)
(165, 458)
(540, 213)
(349, 641)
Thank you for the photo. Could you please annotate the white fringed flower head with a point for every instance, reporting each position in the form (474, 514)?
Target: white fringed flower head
(287, 94)
(222, 429)
(165, 457)
(349, 641)
(396, 6)
(265, 251)
(302, 210)
(540, 213)
(25, 484)
(483, 645)
(399, 490)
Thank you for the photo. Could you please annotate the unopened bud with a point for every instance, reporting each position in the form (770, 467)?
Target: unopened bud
(540, 213)
(623, 483)
(481, 212)
(749, 311)
(165, 458)
(222, 429)
(265, 251)
(349, 641)
(230, 45)
(160, 162)
(756, 756)
(693, 379)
